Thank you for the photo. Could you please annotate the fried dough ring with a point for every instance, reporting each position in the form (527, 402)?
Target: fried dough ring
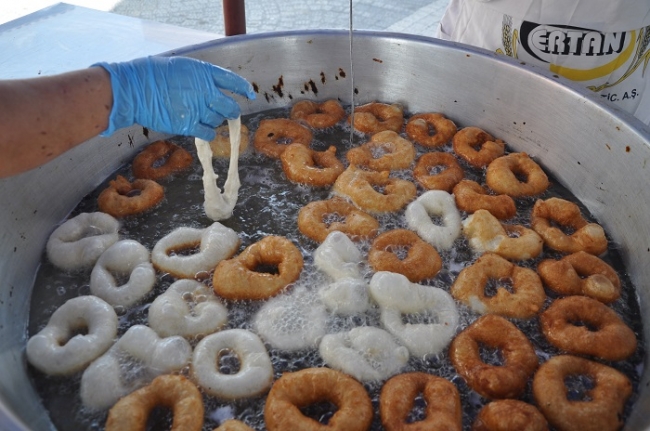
(466, 141)
(315, 168)
(421, 262)
(376, 117)
(367, 353)
(471, 197)
(357, 184)
(501, 176)
(444, 180)
(385, 151)
(604, 409)
(220, 145)
(253, 377)
(589, 237)
(81, 240)
(312, 220)
(236, 278)
(175, 159)
(487, 233)
(435, 203)
(430, 129)
(565, 276)
(297, 390)
(318, 115)
(526, 300)
(583, 326)
(494, 381)
(273, 135)
(172, 391)
(78, 332)
(443, 410)
(509, 415)
(122, 198)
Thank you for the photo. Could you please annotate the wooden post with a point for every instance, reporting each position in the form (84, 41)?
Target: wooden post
(234, 17)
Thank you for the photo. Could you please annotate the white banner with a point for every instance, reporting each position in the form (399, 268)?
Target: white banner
(600, 44)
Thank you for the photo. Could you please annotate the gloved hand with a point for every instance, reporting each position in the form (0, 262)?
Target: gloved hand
(176, 95)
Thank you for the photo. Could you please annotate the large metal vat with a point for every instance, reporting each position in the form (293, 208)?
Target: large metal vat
(598, 152)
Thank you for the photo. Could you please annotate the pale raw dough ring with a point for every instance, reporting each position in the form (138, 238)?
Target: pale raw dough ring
(255, 373)
(53, 351)
(126, 257)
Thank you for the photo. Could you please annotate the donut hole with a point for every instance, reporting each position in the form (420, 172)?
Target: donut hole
(520, 174)
(566, 229)
(121, 278)
(193, 300)
(579, 387)
(400, 251)
(331, 218)
(490, 355)
(266, 268)
(185, 250)
(379, 188)
(228, 362)
(321, 411)
(133, 193)
(161, 161)
(589, 326)
(81, 330)
(379, 151)
(436, 169)
(424, 318)
(160, 418)
(493, 284)
(418, 412)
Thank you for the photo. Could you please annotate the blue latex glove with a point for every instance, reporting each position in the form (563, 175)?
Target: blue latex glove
(176, 95)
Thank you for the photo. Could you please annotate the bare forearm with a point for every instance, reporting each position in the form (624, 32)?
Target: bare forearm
(42, 118)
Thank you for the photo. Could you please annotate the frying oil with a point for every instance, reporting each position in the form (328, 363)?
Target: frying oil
(268, 205)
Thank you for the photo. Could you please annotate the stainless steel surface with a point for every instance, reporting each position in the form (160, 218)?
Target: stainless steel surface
(597, 152)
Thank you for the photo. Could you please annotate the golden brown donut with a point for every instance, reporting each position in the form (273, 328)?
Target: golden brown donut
(471, 196)
(174, 159)
(502, 176)
(421, 261)
(220, 145)
(174, 392)
(602, 408)
(581, 273)
(583, 326)
(318, 219)
(589, 237)
(443, 410)
(237, 278)
(122, 198)
(306, 166)
(297, 390)
(528, 294)
(509, 415)
(386, 151)
(359, 185)
(446, 179)
(376, 117)
(273, 135)
(477, 147)
(494, 381)
(318, 115)
(431, 129)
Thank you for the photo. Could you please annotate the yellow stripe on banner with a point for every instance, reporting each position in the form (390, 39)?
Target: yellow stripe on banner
(597, 72)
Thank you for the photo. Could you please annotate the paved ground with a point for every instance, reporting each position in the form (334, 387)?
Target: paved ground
(405, 16)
